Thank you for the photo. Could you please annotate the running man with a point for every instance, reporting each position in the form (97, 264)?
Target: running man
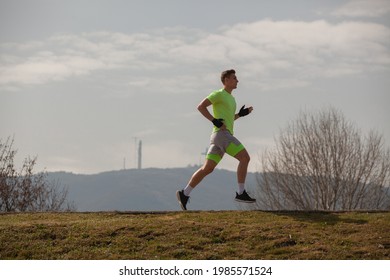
(222, 140)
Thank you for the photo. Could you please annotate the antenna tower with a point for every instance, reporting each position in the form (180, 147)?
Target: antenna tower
(140, 154)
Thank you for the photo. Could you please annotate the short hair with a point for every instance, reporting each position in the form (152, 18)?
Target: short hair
(226, 74)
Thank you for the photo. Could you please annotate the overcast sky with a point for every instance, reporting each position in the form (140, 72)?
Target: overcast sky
(80, 79)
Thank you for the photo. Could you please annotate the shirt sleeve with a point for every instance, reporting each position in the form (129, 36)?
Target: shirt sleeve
(214, 97)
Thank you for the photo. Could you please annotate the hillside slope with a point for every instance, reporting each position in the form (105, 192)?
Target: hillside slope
(149, 189)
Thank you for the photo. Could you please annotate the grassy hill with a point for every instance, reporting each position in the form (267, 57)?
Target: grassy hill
(195, 235)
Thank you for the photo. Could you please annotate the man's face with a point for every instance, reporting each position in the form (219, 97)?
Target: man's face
(231, 81)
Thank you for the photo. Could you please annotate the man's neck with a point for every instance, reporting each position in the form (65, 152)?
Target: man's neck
(228, 90)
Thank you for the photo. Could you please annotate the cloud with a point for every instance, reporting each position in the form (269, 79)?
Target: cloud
(296, 44)
(291, 52)
(45, 67)
(363, 8)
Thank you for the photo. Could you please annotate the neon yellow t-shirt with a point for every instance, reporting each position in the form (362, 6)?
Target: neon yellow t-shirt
(224, 107)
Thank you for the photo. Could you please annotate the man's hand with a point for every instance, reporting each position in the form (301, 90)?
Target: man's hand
(245, 111)
(217, 122)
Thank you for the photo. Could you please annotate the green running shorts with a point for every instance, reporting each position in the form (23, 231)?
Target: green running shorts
(222, 142)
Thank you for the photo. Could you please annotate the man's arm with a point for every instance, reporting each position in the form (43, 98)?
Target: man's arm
(202, 107)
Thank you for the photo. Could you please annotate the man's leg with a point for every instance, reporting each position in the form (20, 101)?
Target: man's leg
(242, 169)
(197, 177)
(202, 172)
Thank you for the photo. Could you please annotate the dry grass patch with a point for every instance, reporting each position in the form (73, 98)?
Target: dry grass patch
(196, 235)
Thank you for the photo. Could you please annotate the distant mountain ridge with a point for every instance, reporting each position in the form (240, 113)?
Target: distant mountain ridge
(150, 189)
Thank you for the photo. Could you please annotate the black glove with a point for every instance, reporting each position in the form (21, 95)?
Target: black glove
(217, 122)
(243, 111)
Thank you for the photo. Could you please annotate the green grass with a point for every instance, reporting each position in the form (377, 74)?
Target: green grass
(195, 235)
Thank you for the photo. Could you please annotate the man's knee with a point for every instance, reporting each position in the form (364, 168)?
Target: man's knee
(246, 158)
(208, 167)
(243, 156)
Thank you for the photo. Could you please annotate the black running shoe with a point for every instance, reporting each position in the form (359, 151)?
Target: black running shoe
(183, 199)
(244, 197)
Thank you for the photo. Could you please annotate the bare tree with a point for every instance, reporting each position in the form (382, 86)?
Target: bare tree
(321, 162)
(22, 191)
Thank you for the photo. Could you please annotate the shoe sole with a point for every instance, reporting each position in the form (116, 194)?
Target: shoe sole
(178, 199)
(244, 201)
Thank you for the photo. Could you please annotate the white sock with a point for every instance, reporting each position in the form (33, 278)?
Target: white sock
(187, 190)
(241, 188)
